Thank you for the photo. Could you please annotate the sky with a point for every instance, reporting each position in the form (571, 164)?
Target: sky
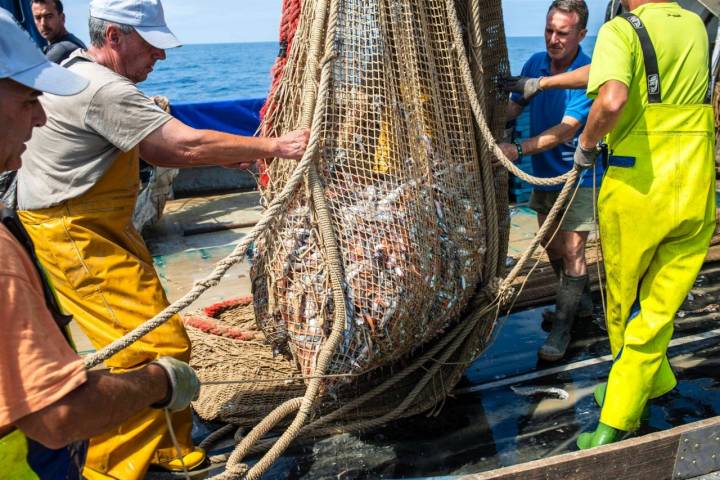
(227, 21)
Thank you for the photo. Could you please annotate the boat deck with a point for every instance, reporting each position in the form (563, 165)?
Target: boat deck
(494, 419)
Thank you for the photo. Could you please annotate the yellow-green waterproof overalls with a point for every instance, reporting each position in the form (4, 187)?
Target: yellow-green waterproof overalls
(657, 216)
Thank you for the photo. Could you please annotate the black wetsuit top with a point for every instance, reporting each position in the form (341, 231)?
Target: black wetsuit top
(61, 48)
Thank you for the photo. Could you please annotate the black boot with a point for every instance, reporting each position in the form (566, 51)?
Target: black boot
(585, 308)
(548, 316)
(568, 298)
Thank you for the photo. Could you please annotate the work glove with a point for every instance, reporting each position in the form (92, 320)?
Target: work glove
(528, 87)
(184, 384)
(585, 159)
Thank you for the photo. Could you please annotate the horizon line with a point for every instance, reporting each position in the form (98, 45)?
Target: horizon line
(277, 41)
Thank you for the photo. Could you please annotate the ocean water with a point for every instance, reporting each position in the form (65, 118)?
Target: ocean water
(200, 73)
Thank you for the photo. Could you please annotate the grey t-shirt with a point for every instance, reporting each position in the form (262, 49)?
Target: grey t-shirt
(83, 135)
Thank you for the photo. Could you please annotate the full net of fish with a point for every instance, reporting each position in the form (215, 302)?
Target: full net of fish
(419, 212)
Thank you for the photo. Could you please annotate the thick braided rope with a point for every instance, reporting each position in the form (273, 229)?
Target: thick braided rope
(492, 233)
(466, 72)
(222, 432)
(271, 214)
(462, 331)
(245, 446)
(312, 112)
(547, 225)
(276, 207)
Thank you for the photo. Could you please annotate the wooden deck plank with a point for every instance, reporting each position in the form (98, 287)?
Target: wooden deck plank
(647, 457)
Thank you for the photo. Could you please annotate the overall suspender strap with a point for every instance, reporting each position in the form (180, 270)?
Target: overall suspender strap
(652, 72)
(11, 222)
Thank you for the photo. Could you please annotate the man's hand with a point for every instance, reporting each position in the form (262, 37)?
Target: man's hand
(183, 384)
(509, 150)
(528, 87)
(292, 145)
(585, 157)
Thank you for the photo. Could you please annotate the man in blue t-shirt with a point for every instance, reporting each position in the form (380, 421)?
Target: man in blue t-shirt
(557, 118)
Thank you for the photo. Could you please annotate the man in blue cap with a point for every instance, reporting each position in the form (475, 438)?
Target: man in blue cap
(76, 195)
(48, 401)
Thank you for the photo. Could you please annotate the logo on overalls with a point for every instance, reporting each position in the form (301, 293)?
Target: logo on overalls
(635, 21)
(653, 84)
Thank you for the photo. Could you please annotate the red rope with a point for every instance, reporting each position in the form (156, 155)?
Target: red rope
(290, 19)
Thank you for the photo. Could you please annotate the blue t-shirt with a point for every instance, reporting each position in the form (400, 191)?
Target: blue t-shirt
(547, 109)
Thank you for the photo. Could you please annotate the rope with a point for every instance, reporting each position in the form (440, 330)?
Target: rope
(568, 178)
(306, 169)
(175, 443)
(459, 46)
(272, 213)
(312, 112)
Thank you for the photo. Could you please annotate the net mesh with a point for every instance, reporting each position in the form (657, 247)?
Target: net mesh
(418, 211)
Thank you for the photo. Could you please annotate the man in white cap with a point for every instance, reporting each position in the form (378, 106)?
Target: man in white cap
(76, 195)
(49, 403)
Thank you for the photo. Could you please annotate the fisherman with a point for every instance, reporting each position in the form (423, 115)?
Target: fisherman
(49, 19)
(76, 195)
(556, 119)
(49, 403)
(650, 77)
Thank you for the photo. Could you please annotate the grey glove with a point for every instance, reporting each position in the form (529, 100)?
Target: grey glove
(183, 382)
(585, 158)
(528, 87)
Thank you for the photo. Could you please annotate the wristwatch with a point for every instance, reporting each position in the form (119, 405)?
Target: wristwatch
(518, 145)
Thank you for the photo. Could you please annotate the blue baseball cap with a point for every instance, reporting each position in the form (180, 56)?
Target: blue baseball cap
(22, 61)
(145, 16)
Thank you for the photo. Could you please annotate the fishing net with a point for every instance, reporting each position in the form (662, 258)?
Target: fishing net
(401, 169)
(386, 255)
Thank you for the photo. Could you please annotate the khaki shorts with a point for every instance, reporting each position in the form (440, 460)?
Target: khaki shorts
(579, 217)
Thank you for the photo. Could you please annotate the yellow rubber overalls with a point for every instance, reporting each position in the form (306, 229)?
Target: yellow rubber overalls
(103, 275)
(13, 457)
(657, 216)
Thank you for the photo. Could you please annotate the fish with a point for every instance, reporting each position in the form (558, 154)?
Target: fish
(553, 392)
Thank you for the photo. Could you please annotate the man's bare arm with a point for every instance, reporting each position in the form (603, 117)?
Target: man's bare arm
(175, 144)
(513, 110)
(104, 401)
(547, 140)
(605, 112)
(575, 79)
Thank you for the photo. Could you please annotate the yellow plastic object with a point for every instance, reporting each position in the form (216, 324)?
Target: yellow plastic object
(191, 460)
(656, 222)
(103, 275)
(383, 150)
(13, 458)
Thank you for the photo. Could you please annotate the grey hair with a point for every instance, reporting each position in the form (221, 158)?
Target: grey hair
(570, 6)
(98, 27)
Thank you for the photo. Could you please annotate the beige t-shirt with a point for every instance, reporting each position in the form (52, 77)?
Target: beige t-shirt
(38, 365)
(83, 135)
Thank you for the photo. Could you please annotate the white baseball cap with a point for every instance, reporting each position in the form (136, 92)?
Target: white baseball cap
(21, 60)
(145, 16)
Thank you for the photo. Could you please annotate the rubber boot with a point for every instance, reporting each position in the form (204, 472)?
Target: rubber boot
(603, 435)
(599, 395)
(548, 316)
(193, 460)
(585, 308)
(568, 298)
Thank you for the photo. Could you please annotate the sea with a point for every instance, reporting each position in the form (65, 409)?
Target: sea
(227, 71)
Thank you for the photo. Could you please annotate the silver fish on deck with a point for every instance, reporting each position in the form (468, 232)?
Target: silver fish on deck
(553, 392)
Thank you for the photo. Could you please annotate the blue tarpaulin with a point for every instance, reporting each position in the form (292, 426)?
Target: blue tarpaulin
(241, 117)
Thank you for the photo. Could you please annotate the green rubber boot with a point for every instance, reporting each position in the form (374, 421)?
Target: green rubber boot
(600, 399)
(603, 435)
